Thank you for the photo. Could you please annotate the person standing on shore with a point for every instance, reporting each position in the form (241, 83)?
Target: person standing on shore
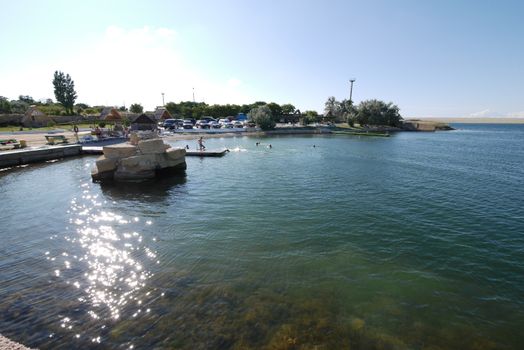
(75, 129)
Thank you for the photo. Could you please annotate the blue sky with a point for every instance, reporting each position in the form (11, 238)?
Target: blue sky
(431, 58)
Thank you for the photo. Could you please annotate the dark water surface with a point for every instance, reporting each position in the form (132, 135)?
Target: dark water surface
(410, 242)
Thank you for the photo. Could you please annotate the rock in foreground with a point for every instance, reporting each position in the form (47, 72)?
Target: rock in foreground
(146, 159)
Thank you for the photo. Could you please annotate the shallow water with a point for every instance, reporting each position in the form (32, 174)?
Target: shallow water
(413, 241)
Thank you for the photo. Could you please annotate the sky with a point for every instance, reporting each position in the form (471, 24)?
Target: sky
(433, 58)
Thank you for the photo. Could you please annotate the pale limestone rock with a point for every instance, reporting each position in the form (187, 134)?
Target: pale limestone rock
(176, 153)
(134, 138)
(151, 146)
(123, 175)
(119, 151)
(104, 164)
(148, 159)
(165, 161)
(139, 162)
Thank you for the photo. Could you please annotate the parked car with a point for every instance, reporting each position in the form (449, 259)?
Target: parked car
(238, 124)
(187, 124)
(226, 123)
(214, 124)
(178, 123)
(168, 123)
(202, 124)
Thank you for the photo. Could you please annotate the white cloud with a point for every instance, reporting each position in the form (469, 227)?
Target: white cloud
(127, 66)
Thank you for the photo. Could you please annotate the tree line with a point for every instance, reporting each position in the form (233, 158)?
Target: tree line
(47, 106)
(368, 112)
(196, 110)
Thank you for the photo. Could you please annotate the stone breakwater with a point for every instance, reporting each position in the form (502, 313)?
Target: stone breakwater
(139, 160)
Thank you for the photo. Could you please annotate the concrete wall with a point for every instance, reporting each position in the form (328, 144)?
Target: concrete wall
(19, 157)
(10, 119)
(16, 119)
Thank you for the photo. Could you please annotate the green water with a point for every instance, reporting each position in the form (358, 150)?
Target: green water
(409, 242)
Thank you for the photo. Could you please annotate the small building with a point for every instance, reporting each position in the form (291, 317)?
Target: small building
(161, 113)
(110, 114)
(143, 122)
(35, 118)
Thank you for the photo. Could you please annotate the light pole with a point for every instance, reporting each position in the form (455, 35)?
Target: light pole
(193, 95)
(351, 90)
(163, 104)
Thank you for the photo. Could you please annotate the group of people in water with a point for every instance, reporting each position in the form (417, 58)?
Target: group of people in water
(258, 144)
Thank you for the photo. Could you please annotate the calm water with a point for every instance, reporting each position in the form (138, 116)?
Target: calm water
(410, 242)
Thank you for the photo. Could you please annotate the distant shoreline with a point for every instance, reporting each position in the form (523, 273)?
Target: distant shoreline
(474, 120)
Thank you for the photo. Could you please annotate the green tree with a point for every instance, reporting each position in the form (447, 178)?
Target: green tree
(262, 117)
(19, 107)
(64, 90)
(136, 108)
(310, 117)
(276, 110)
(27, 99)
(288, 108)
(332, 108)
(82, 106)
(375, 112)
(5, 105)
(348, 112)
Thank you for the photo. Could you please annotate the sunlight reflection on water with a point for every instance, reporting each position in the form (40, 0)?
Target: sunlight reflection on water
(107, 256)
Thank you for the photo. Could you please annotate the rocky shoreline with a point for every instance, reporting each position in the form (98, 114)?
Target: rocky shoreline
(8, 344)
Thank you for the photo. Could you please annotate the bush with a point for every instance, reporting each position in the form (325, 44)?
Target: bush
(102, 124)
(375, 112)
(262, 117)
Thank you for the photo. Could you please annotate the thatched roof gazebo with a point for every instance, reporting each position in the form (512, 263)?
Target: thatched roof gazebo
(143, 122)
(162, 114)
(110, 114)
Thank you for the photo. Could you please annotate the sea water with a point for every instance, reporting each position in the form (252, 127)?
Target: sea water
(415, 241)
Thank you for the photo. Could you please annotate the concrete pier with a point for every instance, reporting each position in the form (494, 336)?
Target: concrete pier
(26, 156)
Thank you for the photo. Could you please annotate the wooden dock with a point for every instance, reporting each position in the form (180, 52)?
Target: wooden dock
(208, 153)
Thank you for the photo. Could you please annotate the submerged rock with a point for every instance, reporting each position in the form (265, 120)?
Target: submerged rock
(147, 159)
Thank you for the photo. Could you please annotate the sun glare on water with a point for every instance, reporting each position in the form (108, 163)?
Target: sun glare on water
(105, 264)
